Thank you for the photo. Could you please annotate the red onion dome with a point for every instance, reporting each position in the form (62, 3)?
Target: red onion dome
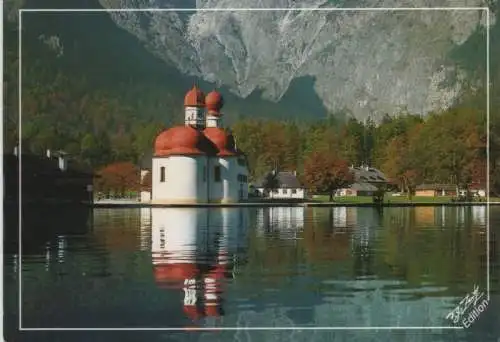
(194, 98)
(182, 140)
(222, 139)
(214, 102)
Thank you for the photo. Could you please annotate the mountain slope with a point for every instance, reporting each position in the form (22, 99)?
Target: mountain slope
(370, 62)
(83, 75)
(114, 60)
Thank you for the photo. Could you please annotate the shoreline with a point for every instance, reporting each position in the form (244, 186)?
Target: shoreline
(118, 204)
(263, 204)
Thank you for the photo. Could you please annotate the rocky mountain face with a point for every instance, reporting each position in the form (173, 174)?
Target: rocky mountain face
(279, 64)
(369, 62)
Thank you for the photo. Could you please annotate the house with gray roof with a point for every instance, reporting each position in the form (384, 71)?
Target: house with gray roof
(280, 185)
(367, 180)
(368, 174)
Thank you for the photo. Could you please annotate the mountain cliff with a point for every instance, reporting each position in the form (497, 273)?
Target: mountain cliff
(371, 62)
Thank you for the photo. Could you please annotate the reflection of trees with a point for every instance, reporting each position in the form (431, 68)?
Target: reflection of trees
(118, 230)
(396, 243)
(317, 244)
(322, 243)
(272, 253)
(415, 252)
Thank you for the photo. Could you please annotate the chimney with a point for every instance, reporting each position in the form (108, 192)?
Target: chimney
(49, 154)
(63, 163)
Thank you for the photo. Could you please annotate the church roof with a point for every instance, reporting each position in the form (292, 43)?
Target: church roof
(194, 98)
(222, 139)
(182, 140)
(214, 102)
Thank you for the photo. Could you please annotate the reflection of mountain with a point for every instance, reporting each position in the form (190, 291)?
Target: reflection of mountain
(282, 221)
(196, 250)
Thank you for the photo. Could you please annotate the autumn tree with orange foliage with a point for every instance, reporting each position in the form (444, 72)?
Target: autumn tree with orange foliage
(325, 172)
(118, 177)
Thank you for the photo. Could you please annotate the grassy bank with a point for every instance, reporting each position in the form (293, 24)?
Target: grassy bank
(390, 199)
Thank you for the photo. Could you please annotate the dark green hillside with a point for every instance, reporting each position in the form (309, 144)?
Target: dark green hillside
(91, 88)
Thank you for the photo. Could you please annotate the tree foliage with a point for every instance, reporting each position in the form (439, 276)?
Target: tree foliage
(118, 178)
(324, 172)
(104, 120)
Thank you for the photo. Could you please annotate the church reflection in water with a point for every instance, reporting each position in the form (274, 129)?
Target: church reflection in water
(197, 250)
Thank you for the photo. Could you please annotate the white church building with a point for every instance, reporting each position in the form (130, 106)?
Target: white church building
(198, 162)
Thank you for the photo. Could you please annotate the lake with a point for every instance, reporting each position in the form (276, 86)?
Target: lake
(217, 268)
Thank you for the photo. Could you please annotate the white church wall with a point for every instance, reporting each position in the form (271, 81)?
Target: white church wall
(183, 179)
(215, 187)
(231, 185)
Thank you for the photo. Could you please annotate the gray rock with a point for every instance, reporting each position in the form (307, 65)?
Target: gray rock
(371, 62)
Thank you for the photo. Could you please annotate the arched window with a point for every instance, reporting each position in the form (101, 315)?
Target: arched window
(162, 174)
(217, 174)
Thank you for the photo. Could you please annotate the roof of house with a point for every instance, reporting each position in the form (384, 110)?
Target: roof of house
(363, 187)
(286, 179)
(42, 165)
(365, 174)
(449, 187)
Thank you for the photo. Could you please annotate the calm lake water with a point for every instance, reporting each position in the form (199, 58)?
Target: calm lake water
(251, 267)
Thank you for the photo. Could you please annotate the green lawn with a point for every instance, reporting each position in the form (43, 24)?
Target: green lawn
(389, 199)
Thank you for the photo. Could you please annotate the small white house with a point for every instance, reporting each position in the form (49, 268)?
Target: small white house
(287, 186)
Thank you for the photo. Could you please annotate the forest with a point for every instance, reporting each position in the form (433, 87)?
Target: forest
(105, 111)
(448, 147)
